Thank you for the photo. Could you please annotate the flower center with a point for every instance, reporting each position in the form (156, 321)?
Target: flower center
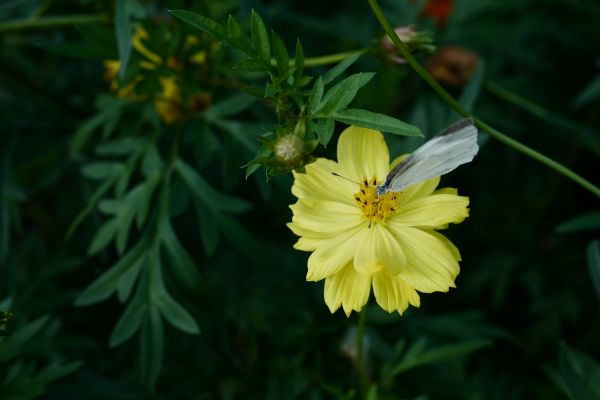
(374, 207)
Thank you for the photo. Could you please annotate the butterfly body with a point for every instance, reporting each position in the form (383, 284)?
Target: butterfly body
(454, 146)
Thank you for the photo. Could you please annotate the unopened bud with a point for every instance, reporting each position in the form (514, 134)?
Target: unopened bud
(290, 150)
(416, 42)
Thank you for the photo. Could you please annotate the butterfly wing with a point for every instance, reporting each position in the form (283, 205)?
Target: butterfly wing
(454, 146)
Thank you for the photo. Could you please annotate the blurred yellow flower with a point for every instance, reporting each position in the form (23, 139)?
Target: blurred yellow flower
(361, 240)
(168, 104)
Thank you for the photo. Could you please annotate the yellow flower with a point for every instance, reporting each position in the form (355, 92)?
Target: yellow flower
(360, 240)
(168, 105)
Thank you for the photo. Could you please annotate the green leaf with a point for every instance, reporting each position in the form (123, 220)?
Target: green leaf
(580, 373)
(201, 22)
(127, 281)
(123, 30)
(282, 57)
(315, 96)
(145, 200)
(582, 223)
(339, 96)
(255, 164)
(325, 128)
(240, 238)
(299, 64)
(151, 161)
(237, 38)
(108, 282)
(593, 262)
(339, 69)
(183, 265)
(103, 236)
(229, 106)
(588, 94)
(470, 93)
(260, 37)
(209, 196)
(101, 170)
(209, 232)
(417, 356)
(151, 348)
(381, 122)
(130, 321)
(250, 65)
(175, 314)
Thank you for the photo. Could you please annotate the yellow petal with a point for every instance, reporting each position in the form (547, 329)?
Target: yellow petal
(432, 211)
(325, 216)
(431, 265)
(453, 249)
(334, 253)
(393, 293)
(319, 182)
(447, 191)
(379, 251)
(307, 244)
(347, 288)
(362, 153)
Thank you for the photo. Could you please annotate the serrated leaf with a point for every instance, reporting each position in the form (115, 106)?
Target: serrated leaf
(339, 69)
(103, 236)
(260, 37)
(315, 96)
(130, 321)
(340, 95)
(201, 22)
(101, 170)
(204, 192)
(325, 128)
(381, 122)
(282, 57)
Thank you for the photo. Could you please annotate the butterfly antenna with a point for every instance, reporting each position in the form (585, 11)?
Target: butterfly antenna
(343, 177)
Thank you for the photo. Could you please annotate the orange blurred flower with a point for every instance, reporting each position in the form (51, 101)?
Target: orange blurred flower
(439, 10)
(453, 65)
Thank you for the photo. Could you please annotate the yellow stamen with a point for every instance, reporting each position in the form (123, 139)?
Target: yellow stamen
(375, 208)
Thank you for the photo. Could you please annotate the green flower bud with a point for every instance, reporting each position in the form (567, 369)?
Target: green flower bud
(289, 150)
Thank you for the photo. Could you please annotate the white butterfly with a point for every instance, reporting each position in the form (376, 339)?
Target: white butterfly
(454, 146)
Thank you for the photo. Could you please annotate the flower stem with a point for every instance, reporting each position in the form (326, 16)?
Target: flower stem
(53, 21)
(331, 58)
(479, 123)
(360, 359)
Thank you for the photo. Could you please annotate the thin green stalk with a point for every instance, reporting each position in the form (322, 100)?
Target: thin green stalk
(331, 58)
(51, 22)
(360, 359)
(460, 110)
